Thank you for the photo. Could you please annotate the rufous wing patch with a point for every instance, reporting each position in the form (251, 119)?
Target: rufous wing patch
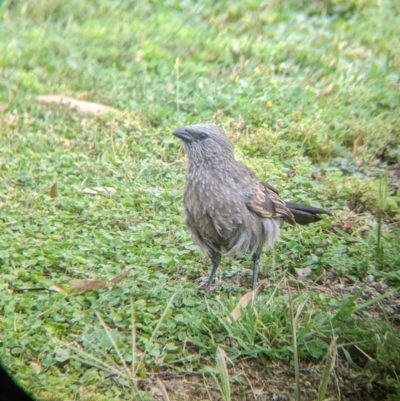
(267, 203)
(262, 204)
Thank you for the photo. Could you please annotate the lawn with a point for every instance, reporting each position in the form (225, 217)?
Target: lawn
(101, 287)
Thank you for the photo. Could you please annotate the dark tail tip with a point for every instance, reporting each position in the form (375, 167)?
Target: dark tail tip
(304, 214)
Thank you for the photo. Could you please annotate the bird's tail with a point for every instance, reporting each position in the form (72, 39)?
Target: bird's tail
(304, 214)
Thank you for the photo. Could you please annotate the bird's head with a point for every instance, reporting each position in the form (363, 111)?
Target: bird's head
(206, 143)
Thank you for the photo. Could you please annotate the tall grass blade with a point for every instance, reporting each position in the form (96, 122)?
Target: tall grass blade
(115, 346)
(222, 369)
(329, 364)
(159, 323)
(295, 350)
(383, 194)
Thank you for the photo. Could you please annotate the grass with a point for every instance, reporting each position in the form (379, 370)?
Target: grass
(309, 94)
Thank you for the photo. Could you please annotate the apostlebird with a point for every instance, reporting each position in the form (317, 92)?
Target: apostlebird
(227, 209)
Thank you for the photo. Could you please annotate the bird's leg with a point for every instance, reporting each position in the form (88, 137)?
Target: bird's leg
(256, 259)
(216, 260)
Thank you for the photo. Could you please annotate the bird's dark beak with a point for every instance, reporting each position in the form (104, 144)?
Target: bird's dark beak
(183, 134)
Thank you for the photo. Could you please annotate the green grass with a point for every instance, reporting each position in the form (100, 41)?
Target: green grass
(309, 93)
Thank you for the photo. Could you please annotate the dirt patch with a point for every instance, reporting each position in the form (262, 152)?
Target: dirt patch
(250, 380)
(278, 384)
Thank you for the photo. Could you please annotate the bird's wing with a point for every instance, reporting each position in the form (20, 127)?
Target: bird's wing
(265, 201)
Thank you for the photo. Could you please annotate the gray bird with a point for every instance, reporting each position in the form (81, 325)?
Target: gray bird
(227, 209)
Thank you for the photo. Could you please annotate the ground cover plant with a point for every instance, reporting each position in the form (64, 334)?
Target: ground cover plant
(309, 92)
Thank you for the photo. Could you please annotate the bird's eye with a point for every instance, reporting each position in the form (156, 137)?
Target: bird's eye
(203, 135)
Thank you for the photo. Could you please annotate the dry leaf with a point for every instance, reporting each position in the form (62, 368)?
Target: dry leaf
(87, 285)
(120, 277)
(56, 288)
(54, 190)
(36, 366)
(302, 274)
(11, 120)
(97, 190)
(107, 190)
(355, 143)
(244, 301)
(96, 284)
(327, 91)
(84, 107)
(89, 191)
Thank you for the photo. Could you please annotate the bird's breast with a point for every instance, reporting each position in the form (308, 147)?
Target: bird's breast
(215, 208)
